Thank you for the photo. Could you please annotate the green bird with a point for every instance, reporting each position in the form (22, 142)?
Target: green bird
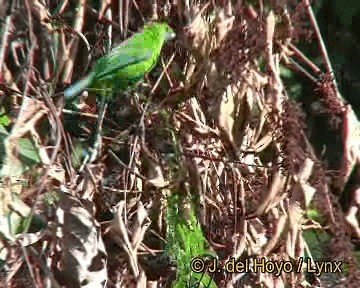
(126, 64)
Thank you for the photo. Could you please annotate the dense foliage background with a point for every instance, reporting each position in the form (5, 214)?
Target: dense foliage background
(243, 143)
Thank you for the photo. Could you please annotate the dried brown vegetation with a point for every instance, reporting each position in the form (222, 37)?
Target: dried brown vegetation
(213, 121)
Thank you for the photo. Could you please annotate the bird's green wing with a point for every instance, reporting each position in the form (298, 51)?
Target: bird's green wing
(120, 58)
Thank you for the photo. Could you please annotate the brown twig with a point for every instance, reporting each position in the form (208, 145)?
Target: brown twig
(298, 68)
(124, 17)
(4, 44)
(74, 43)
(33, 41)
(305, 59)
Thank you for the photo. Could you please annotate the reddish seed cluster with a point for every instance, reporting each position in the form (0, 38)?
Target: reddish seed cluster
(326, 91)
(299, 19)
(241, 45)
(287, 132)
(293, 122)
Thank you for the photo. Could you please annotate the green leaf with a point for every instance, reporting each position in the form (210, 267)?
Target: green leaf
(315, 215)
(202, 280)
(185, 240)
(3, 135)
(3, 132)
(286, 72)
(317, 242)
(12, 223)
(4, 120)
(78, 154)
(28, 151)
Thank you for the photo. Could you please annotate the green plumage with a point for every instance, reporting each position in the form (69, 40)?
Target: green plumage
(126, 64)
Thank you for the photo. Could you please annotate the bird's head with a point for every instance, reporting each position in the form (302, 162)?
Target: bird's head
(161, 29)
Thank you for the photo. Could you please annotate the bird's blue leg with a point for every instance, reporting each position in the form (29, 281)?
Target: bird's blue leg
(98, 141)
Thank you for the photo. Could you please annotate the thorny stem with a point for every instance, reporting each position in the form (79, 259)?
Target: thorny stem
(321, 43)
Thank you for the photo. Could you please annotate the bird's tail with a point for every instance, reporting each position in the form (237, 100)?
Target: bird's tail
(79, 86)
